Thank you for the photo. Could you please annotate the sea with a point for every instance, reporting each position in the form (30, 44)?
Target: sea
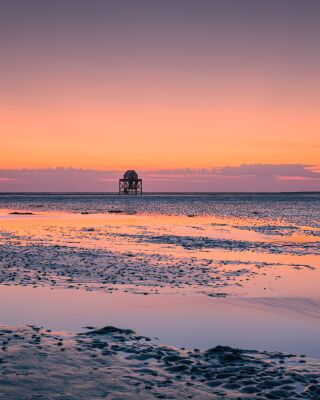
(302, 209)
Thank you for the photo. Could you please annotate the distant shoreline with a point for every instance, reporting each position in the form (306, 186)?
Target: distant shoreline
(154, 193)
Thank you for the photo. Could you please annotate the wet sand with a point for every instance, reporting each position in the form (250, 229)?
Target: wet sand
(260, 266)
(152, 253)
(117, 363)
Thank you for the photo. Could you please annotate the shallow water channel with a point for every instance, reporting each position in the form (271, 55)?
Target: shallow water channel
(194, 321)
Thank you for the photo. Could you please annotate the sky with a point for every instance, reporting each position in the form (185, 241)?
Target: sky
(179, 90)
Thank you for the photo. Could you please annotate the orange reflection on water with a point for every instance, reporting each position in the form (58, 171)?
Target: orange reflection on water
(268, 274)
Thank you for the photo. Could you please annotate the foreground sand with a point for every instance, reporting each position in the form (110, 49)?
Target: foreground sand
(148, 254)
(112, 363)
(155, 255)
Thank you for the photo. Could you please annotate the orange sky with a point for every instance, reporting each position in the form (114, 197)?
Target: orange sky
(170, 93)
(162, 133)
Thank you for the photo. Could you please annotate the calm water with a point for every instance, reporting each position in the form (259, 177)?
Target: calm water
(276, 307)
(298, 208)
(189, 321)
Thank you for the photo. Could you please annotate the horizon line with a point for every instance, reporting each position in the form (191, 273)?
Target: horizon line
(160, 193)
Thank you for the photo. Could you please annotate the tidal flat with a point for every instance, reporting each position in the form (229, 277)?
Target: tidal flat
(160, 299)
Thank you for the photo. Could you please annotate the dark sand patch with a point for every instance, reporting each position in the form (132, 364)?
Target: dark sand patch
(117, 363)
(96, 269)
(202, 242)
(21, 213)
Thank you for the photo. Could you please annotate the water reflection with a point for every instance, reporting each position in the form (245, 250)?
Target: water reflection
(188, 321)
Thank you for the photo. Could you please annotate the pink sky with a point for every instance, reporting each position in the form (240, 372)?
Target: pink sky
(259, 177)
(150, 85)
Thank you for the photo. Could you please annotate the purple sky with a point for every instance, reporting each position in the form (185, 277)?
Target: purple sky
(228, 88)
(243, 178)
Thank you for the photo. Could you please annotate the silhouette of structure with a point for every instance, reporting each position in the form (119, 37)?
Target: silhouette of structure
(130, 183)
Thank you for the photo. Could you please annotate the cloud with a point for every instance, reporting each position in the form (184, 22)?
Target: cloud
(251, 177)
(7, 180)
(295, 178)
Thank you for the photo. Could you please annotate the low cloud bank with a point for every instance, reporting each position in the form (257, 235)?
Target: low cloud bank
(243, 178)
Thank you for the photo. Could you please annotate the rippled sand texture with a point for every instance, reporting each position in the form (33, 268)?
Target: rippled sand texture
(210, 255)
(117, 363)
(248, 252)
